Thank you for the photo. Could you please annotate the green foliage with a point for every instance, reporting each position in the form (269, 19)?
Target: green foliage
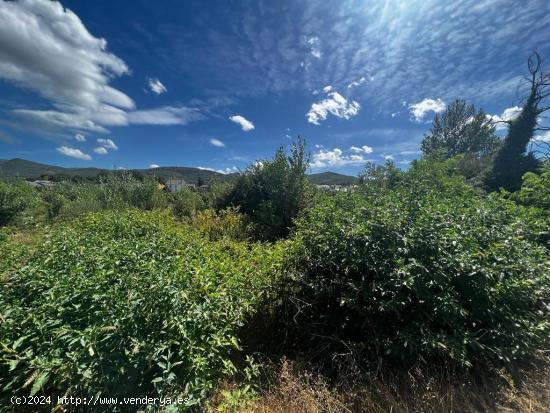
(535, 189)
(186, 202)
(15, 198)
(427, 268)
(460, 129)
(128, 303)
(273, 192)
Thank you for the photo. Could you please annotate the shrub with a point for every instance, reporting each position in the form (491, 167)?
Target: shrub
(15, 198)
(273, 192)
(185, 203)
(429, 268)
(225, 223)
(128, 303)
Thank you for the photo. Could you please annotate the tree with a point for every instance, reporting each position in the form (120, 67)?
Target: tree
(512, 161)
(460, 129)
(273, 192)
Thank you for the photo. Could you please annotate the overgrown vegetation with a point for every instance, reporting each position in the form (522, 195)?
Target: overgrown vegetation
(409, 291)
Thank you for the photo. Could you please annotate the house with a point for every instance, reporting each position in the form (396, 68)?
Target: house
(176, 184)
(41, 184)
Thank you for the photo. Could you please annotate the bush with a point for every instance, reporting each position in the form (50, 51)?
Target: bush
(273, 192)
(429, 268)
(126, 304)
(15, 199)
(185, 203)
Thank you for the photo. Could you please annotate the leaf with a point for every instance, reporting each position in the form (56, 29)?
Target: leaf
(39, 382)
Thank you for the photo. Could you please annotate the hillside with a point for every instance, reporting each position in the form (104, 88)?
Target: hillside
(22, 168)
(332, 178)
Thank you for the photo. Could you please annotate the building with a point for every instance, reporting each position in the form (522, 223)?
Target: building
(176, 184)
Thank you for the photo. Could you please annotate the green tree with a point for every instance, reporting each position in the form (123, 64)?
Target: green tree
(273, 192)
(460, 129)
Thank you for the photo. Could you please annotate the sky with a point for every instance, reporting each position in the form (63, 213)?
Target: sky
(221, 84)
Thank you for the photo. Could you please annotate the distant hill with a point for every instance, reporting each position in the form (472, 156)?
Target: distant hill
(332, 178)
(21, 168)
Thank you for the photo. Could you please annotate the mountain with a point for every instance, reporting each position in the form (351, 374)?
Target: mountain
(21, 168)
(332, 178)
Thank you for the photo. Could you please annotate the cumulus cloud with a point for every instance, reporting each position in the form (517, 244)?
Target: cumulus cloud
(73, 153)
(167, 115)
(47, 49)
(156, 86)
(107, 144)
(421, 109)
(80, 137)
(225, 171)
(362, 149)
(335, 158)
(543, 137)
(314, 46)
(153, 166)
(217, 142)
(101, 150)
(507, 115)
(327, 89)
(334, 104)
(246, 125)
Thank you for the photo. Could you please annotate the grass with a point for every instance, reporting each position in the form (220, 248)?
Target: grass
(437, 389)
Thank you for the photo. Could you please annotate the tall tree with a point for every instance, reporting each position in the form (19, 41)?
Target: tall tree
(460, 129)
(513, 160)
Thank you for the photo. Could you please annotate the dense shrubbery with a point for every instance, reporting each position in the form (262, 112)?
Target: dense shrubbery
(429, 267)
(128, 303)
(273, 192)
(15, 199)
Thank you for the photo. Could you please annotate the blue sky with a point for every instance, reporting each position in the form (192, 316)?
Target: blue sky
(220, 84)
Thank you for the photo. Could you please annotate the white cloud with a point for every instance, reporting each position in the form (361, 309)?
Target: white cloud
(327, 89)
(47, 49)
(356, 83)
(421, 109)
(544, 137)
(225, 171)
(507, 115)
(101, 150)
(334, 104)
(80, 138)
(107, 144)
(388, 157)
(73, 153)
(217, 142)
(156, 86)
(362, 149)
(314, 46)
(153, 166)
(335, 158)
(246, 125)
(168, 115)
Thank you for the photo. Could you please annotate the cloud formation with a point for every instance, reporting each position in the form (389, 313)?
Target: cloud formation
(156, 86)
(334, 104)
(217, 142)
(335, 158)
(80, 137)
(246, 125)
(362, 149)
(314, 46)
(167, 115)
(73, 153)
(101, 150)
(47, 49)
(225, 171)
(421, 109)
(107, 144)
(507, 115)
(154, 166)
